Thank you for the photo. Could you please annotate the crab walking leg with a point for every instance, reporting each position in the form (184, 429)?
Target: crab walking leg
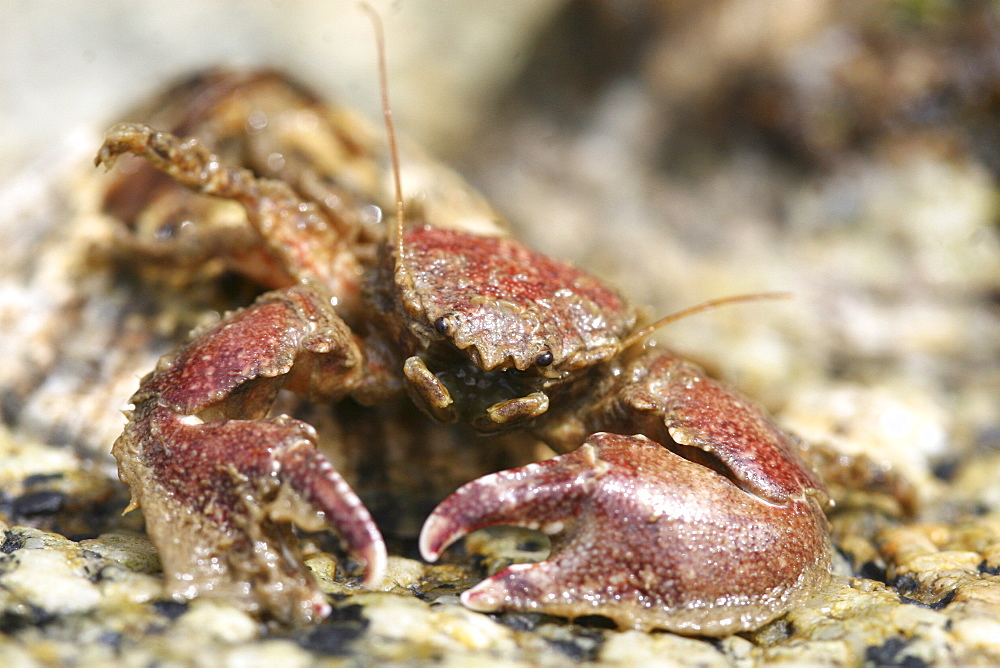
(295, 231)
(219, 485)
(648, 537)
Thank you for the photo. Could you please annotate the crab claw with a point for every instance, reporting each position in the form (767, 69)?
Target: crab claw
(313, 480)
(642, 536)
(219, 498)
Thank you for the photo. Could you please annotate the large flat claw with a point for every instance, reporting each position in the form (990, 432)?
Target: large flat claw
(642, 536)
(220, 484)
(219, 498)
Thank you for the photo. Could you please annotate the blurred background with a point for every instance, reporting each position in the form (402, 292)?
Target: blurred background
(67, 65)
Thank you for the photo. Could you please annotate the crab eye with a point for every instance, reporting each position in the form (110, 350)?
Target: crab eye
(442, 325)
(544, 359)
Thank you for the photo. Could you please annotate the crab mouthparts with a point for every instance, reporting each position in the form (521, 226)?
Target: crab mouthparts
(492, 400)
(512, 411)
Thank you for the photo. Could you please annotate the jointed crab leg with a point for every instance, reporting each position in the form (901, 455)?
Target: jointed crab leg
(219, 484)
(294, 230)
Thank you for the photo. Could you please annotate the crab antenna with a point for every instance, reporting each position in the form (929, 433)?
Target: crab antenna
(389, 127)
(640, 334)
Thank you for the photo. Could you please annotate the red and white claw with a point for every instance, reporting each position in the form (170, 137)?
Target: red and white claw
(219, 498)
(643, 536)
(312, 478)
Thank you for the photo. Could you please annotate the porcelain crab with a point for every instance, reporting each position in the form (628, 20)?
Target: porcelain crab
(678, 504)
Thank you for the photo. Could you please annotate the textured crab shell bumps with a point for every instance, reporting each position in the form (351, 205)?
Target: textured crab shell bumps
(642, 536)
(512, 305)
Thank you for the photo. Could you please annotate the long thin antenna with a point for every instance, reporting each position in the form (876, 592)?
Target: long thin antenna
(640, 334)
(389, 127)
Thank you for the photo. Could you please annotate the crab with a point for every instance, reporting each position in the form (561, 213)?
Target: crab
(675, 504)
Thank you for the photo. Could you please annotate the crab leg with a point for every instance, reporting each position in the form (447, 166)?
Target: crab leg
(713, 528)
(219, 484)
(296, 232)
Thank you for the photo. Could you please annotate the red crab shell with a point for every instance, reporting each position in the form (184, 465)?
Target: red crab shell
(513, 307)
